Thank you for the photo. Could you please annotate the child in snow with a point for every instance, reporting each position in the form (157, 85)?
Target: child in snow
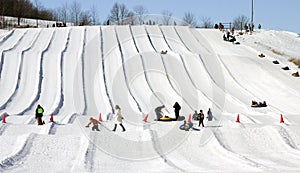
(95, 124)
(39, 114)
(118, 118)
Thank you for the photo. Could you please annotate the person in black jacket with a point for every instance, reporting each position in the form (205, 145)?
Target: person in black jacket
(201, 118)
(39, 114)
(177, 108)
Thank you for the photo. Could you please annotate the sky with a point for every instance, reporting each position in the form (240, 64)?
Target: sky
(271, 14)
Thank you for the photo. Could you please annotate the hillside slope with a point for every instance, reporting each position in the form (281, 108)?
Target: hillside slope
(78, 72)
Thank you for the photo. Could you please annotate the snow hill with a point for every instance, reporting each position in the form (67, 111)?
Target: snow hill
(78, 72)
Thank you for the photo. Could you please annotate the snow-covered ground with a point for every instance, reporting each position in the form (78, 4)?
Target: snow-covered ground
(78, 72)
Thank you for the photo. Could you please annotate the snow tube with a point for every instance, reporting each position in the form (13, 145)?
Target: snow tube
(165, 119)
(255, 106)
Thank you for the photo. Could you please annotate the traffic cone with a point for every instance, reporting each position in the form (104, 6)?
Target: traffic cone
(51, 118)
(4, 118)
(189, 119)
(281, 119)
(238, 118)
(146, 118)
(100, 117)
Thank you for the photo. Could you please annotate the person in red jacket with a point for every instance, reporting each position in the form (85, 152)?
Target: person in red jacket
(95, 124)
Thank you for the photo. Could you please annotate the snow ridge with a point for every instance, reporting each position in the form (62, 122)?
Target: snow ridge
(61, 100)
(15, 159)
(103, 71)
(38, 94)
(10, 49)
(20, 71)
(124, 71)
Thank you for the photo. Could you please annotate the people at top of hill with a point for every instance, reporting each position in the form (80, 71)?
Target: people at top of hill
(261, 55)
(39, 114)
(260, 104)
(232, 30)
(177, 108)
(228, 37)
(164, 52)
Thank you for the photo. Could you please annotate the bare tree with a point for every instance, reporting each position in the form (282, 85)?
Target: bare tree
(123, 13)
(140, 11)
(189, 19)
(119, 14)
(75, 12)
(166, 17)
(85, 18)
(206, 22)
(64, 12)
(240, 21)
(38, 6)
(114, 13)
(94, 15)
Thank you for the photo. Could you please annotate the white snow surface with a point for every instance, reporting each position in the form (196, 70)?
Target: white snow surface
(78, 72)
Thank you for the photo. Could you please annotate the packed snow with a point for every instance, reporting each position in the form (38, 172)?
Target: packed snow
(76, 73)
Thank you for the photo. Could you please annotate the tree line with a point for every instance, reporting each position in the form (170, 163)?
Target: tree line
(24, 9)
(119, 15)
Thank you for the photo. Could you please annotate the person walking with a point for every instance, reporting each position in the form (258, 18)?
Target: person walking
(118, 118)
(39, 114)
(200, 118)
(95, 124)
(177, 108)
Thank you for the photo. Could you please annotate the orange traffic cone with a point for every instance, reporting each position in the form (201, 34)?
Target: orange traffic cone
(4, 118)
(238, 118)
(146, 118)
(51, 118)
(100, 117)
(281, 119)
(189, 119)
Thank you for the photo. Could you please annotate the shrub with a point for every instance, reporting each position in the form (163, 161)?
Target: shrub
(276, 52)
(295, 61)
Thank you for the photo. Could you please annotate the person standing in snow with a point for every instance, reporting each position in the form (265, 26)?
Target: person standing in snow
(118, 118)
(200, 118)
(158, 112)
(177, 108)
(39, 114)
(195, 115)
(95, 124)
(209, 115)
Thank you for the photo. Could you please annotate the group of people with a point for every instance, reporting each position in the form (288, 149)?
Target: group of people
(118, 119)
(228, 37)
(258, 104)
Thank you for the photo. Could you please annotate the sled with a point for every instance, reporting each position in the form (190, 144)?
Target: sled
(285, 68)
(165, 119)
(295, 74)
(275, 62)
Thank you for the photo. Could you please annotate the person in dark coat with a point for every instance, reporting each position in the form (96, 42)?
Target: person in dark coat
(39, 114)
(177, 108)
(200, 118)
